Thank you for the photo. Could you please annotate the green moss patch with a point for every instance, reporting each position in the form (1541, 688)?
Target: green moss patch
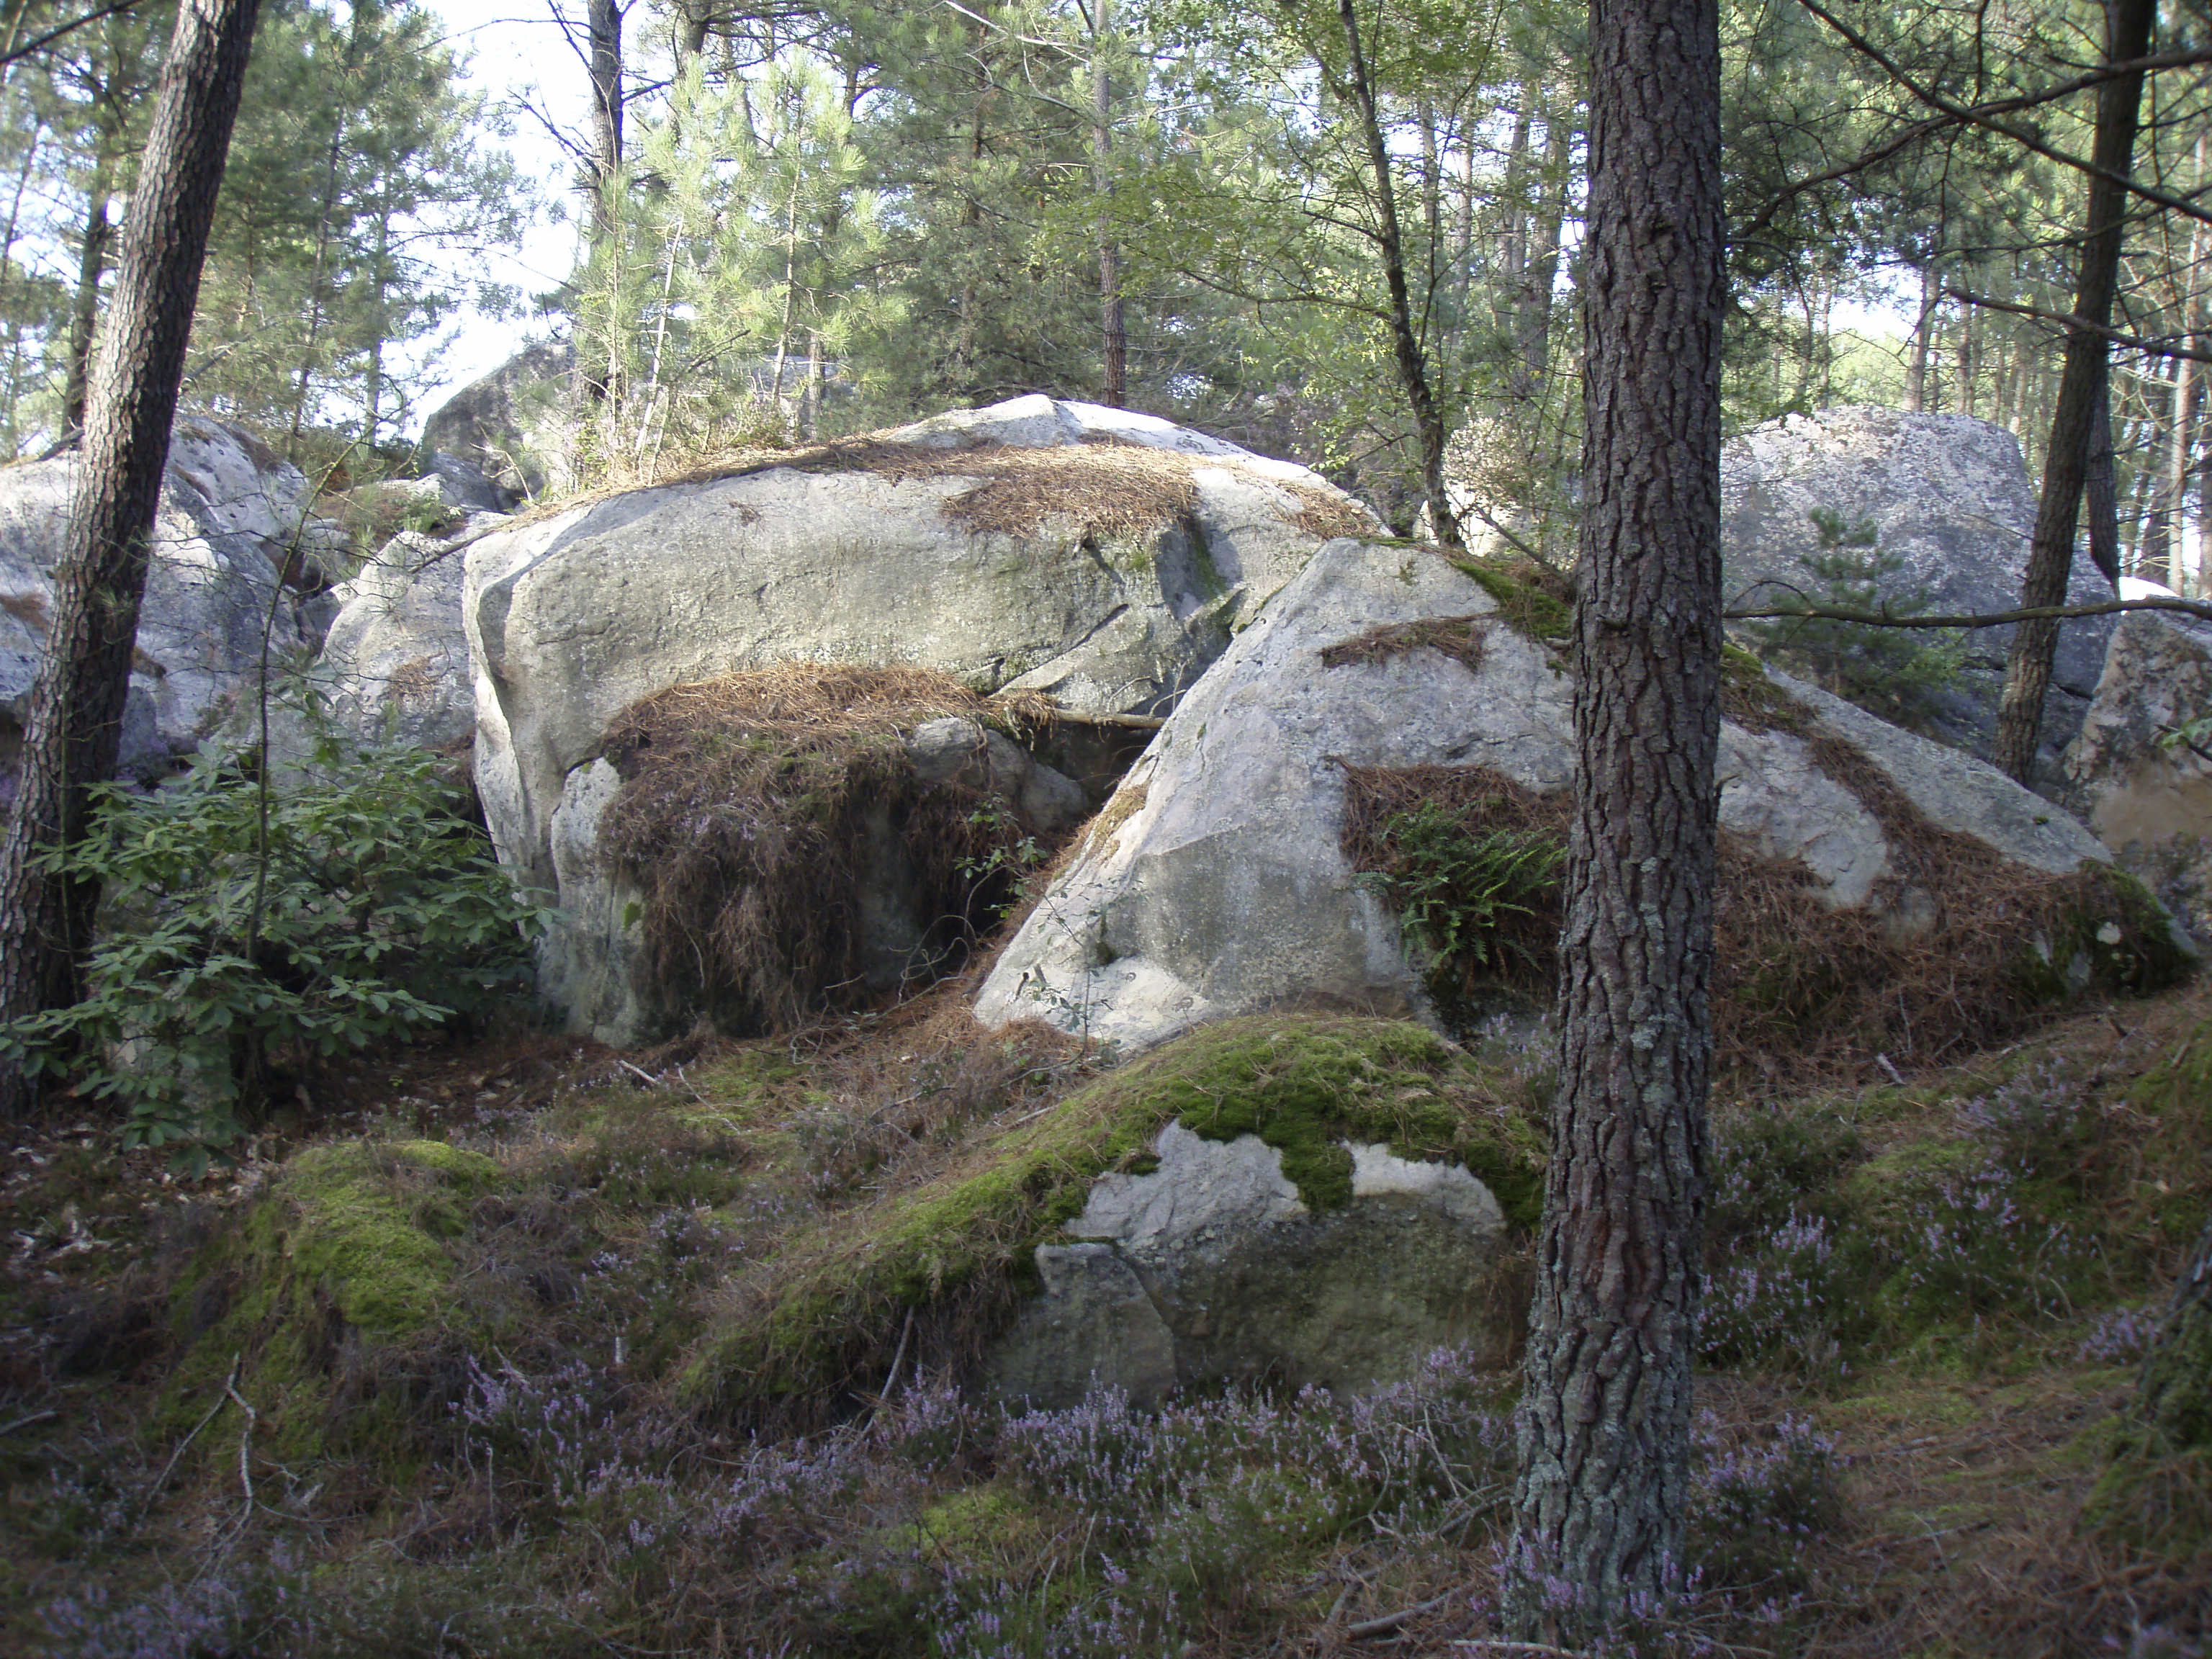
(349, 1249)
(954, 1246)
(1531, 599)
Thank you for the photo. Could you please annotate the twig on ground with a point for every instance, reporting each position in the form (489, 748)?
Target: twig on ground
(169, 1468)
(651, 1081)
(1390, 1621)
(25, 1422)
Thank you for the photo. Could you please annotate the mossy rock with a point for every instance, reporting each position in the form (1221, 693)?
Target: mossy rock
(828, 1310)
(345, 1255)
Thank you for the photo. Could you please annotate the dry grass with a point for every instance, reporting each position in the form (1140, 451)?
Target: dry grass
(1459, 638)
(1942, 960)
(757, 809)
(1106, 487)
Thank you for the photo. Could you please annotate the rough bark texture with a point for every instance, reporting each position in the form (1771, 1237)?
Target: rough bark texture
(2066, 463)
(77, 706)
(1604, 1426)
(1412, 364)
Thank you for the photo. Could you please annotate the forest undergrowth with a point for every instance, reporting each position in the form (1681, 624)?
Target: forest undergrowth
(1928, 1295)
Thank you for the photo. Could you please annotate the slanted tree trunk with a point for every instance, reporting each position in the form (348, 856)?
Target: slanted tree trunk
(1604, 1424)
(1405, 335)
(76, 705)
(2065, 463)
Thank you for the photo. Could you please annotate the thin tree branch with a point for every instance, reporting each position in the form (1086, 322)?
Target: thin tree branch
(39, 42)
(1912, 135)
(2156, 347)
(1969, 116)
(1992, 619)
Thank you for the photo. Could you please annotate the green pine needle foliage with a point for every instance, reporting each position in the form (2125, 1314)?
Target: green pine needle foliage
(1896, 674)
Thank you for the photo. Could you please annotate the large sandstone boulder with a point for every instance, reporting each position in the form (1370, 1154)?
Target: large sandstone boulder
(231, 512)
(1100, 556)
(1217, 880)
(1949, 496)
(2148, 800)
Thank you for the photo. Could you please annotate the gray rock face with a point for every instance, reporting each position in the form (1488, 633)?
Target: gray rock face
(585, 966)
(2151, 805)
(230, 511)
(512, 424)
(1211, 1268)
(1950, 496)
(465, 485)
(1215, 883)
(571, 618)
(396, 659)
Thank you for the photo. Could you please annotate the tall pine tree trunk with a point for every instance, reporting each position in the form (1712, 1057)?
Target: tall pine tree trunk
(76, 705)
(2066, 462)
(1604, 1424)
(1113, 329)
(84, 309)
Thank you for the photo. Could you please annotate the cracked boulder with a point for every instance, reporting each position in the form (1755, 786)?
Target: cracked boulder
(1104, 557)
(232, 512)
(1949, 498)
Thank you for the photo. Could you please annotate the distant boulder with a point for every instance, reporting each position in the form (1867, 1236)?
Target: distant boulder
(512, 424)
(233, 514)
(1946, 495)
(2150, 799)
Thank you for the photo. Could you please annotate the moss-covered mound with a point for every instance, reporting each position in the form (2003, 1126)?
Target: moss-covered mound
(345, 1260)
(955, 1245)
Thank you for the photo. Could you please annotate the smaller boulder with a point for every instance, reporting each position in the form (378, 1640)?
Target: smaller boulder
(396, 658)
(2150, 802)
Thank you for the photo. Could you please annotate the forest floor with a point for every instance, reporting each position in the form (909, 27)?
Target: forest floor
(1932, 1293)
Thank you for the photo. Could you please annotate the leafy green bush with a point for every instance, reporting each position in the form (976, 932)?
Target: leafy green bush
(248, 927)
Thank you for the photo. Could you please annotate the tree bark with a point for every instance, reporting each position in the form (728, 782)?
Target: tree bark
(2065, 465)
(84, 312)
(1604, 1424)
(76, 705)
(1405, 338)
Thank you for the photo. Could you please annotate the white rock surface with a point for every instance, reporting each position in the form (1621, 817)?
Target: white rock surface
(1225, 891)
(571, 618)
(396, 659)
(230, 509)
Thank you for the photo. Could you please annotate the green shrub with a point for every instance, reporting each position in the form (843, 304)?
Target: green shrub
(1486, 900)
(252, 927)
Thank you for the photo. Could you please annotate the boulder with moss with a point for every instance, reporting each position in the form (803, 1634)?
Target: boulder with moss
(1946, 495)
(1365, 800)
(1303, 1198)
(1102, 557)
